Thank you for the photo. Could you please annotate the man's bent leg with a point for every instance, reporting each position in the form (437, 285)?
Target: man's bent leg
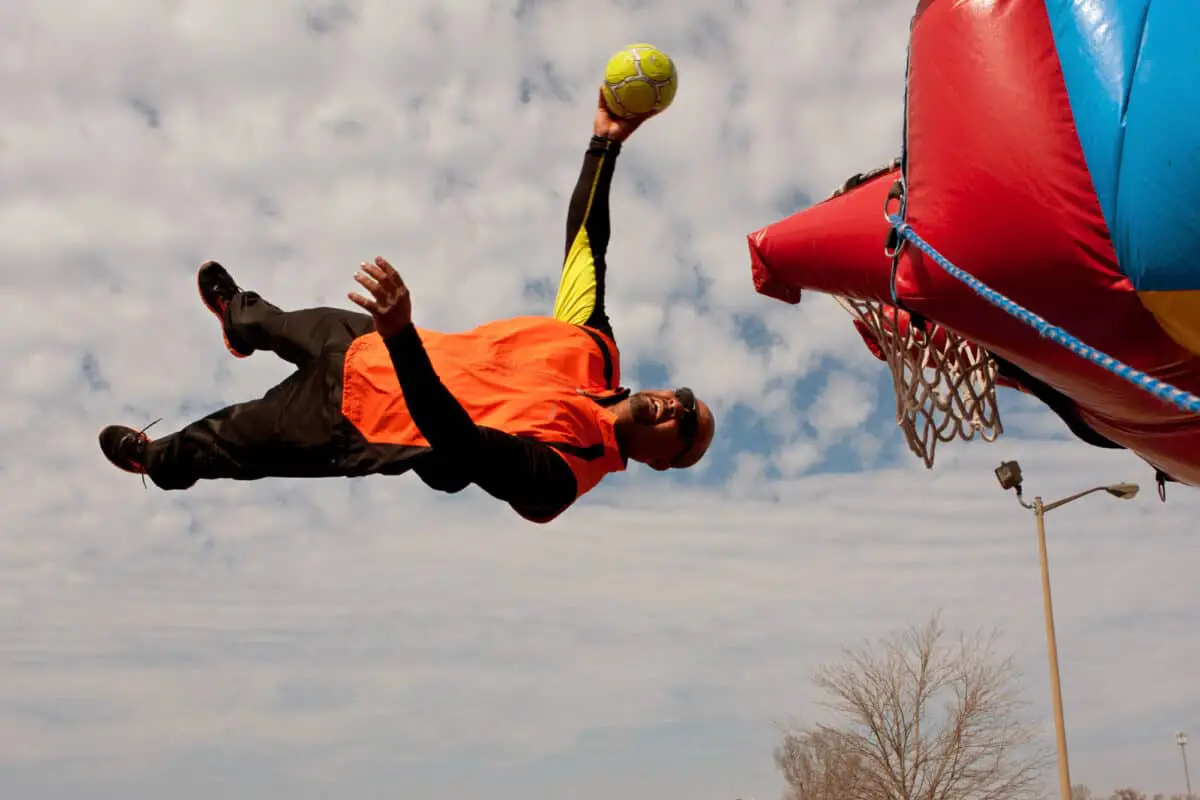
(296, 336)
(288, 433)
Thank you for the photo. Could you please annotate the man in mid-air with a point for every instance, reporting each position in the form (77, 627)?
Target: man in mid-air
(529, 409)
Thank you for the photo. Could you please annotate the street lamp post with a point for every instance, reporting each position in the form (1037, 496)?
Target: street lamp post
(1181, 740)
(1009, 475)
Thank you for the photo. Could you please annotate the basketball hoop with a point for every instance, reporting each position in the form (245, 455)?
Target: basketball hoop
(945, 385)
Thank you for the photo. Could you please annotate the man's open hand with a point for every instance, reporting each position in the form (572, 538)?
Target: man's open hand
(392, 305)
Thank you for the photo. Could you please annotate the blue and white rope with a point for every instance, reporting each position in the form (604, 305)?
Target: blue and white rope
(1160, 389)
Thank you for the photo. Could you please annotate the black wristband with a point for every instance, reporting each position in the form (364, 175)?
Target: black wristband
(611, 146)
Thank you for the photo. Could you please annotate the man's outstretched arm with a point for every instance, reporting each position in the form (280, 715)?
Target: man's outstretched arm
(581, 288)
(527, 474)
(580, 299)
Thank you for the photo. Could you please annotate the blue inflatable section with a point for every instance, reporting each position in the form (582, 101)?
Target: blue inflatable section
(1158, 198)
(1132, 68)
(1097, 43)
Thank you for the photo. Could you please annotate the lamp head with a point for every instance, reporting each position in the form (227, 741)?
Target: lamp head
(1123, 491)
(1009, 475)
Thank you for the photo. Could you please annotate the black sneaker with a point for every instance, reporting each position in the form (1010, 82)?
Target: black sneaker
(217, 290)
(125, 448)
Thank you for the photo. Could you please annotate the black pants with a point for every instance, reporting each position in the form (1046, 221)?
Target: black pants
(296, 430)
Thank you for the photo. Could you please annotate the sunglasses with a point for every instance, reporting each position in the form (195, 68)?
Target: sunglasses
(688, 422)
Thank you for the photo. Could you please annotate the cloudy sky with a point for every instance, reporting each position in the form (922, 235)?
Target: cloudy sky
(371, 639)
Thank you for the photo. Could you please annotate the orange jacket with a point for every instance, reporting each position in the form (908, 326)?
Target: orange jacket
(527, 376)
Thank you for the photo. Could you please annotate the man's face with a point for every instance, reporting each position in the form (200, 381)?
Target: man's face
(671, 428)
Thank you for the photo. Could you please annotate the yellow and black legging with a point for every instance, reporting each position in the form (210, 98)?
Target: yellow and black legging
(580, 299)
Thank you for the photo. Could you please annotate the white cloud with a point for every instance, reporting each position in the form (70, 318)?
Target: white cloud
(351, 637)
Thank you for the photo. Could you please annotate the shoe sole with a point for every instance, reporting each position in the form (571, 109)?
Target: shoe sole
(216, 312)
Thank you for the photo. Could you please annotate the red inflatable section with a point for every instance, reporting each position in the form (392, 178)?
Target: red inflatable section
(834, 247)
(997, 183)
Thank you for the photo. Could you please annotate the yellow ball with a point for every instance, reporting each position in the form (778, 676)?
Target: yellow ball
(639, 79)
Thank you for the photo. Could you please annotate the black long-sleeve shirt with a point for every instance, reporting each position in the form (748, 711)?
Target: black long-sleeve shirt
(527, 474)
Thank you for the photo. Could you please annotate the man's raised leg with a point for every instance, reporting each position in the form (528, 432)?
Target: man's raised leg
(249, 322)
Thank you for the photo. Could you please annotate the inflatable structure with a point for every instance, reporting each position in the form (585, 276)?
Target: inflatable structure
(1040, 229)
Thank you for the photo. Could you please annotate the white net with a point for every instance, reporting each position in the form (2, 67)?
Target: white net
(945, 385)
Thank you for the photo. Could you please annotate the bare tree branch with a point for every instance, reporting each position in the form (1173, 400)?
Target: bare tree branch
(918, 717)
